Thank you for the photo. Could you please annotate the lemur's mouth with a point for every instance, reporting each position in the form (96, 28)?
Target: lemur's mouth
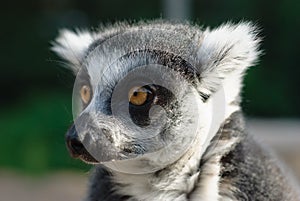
(88, 159)
(77, 150)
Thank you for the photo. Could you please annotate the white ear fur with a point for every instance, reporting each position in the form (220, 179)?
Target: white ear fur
(225, 54)
(72, 46)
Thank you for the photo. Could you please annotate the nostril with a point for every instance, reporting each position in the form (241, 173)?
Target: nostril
(75, 146)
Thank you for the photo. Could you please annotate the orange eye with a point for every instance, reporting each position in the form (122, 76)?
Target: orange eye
(138, 95)
(85, 93)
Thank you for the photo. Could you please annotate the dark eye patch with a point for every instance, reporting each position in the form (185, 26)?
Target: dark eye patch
(162, 97)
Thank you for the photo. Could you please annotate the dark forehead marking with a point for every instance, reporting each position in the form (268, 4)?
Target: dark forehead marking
(176, 63)
(167, 59)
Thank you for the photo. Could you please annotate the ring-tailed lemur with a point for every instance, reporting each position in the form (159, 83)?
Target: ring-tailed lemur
(157, 110)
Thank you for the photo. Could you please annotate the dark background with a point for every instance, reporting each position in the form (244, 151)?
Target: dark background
(36, 92)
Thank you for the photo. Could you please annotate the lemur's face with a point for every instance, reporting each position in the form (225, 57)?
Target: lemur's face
(144, 95)
(135, 102)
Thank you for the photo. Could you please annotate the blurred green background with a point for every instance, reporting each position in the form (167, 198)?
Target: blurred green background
(36, 91)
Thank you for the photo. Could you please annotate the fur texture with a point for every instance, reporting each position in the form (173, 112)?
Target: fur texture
(221, 161)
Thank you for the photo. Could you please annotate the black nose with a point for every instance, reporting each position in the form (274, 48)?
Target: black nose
(74, 145)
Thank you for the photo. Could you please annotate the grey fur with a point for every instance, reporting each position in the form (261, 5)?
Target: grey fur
(222, 162)
(249, 172)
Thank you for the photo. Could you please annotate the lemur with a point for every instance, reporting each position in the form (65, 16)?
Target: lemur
(157, 111)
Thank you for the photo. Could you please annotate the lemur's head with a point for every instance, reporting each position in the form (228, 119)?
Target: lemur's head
(146, 94)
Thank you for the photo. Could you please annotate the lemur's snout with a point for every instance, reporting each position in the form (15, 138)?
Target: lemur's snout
(75, 146)
(80, 140)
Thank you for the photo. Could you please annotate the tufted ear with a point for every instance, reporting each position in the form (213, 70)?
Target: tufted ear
(225, 53)
(72, 46)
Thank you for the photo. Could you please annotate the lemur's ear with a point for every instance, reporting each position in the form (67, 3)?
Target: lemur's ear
(225, 53)
(72, 46)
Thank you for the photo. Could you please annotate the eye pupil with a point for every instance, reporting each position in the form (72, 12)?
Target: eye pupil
(139, 95)
(85, 94)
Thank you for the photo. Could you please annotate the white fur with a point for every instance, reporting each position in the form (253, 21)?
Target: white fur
(224, 55)
(240, 45)
(226, 77)
(72, 46)
(174, 185)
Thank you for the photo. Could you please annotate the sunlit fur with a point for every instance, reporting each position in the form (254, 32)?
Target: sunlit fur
(221, 56)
